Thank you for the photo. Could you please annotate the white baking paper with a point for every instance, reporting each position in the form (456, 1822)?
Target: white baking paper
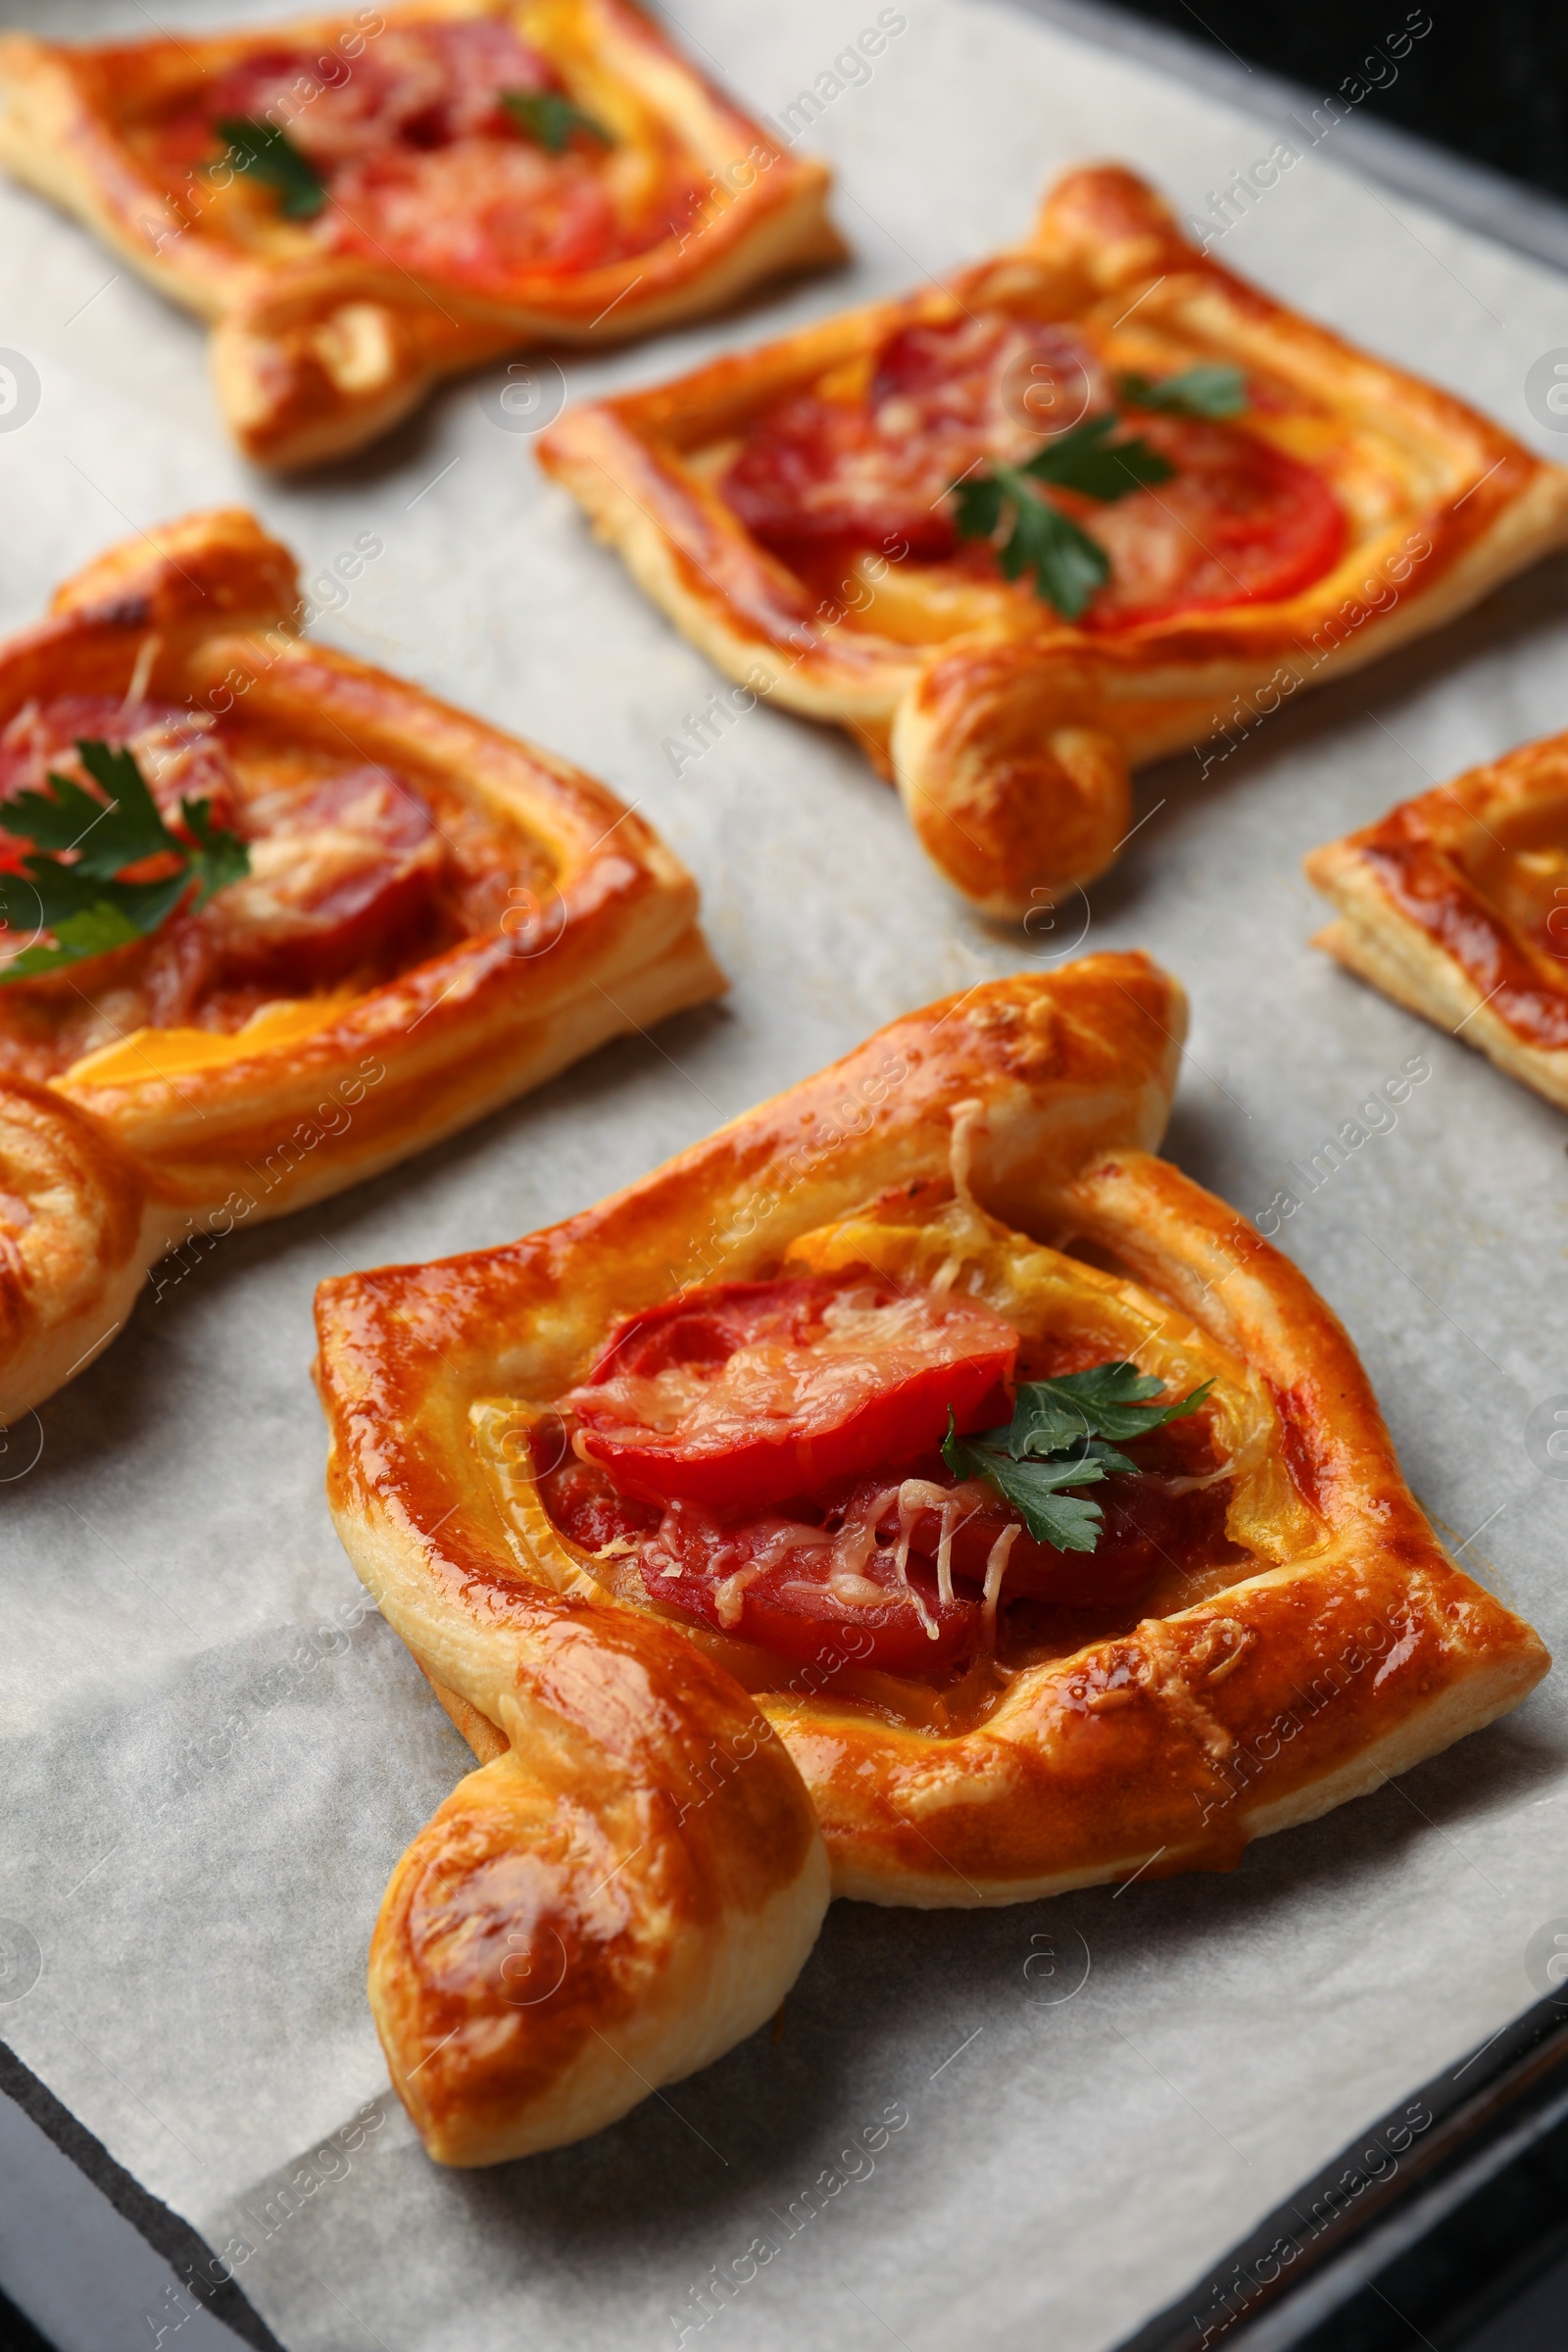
(215, 1754)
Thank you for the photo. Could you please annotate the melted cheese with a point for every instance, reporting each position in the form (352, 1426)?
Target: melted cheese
(769, 1387)
(172, 1053)
(997, 1568)
(1040, 1289)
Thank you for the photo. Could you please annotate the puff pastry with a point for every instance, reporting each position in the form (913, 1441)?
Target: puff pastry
(788, 508)
(479, 176)
(437, 918)
(1456, 904)
(633, 1876)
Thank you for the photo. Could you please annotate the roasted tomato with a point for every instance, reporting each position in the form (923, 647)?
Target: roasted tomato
(763, 1457)
(805, 1590)
(1241, 522)
(813, 1581)
(897, 1571)
(1150, 1525)
(746, 1393)
(425, 167)
(900, 1568)
(873, 469)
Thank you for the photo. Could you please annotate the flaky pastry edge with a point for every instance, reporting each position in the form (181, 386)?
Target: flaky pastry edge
(314, 357)
(1164, 1749)
(106, 1177)
(1012, 751)
(1483, 972)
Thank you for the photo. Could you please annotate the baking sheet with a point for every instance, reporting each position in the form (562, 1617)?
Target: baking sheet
(215, 1751)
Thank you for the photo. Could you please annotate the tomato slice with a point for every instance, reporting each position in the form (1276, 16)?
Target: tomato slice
(478, 212)
(1148, 1526)
(824, 1593)
(1241, 522)
(817, 1584)
(874, 472)
(745, 1393)
(416, 86)
(423, 164)
(856, 1576)
(763, 1457)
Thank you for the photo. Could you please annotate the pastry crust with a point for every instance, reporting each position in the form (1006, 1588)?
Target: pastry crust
(1456, 904)
(316, 351)
(1348, 1647)
(1011, 733)
(123, 1155)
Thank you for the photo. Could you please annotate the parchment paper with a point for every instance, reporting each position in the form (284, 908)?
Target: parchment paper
(214, 1753)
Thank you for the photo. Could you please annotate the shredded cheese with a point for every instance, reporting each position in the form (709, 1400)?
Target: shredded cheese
(965, 1117)
(729, 1595)
(916, 1495)
(997, 1568)
(146, 655)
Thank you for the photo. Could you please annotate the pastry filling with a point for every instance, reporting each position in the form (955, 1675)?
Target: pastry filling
(450, 149)
(841, 1463)
(925, 454)
(346, 878)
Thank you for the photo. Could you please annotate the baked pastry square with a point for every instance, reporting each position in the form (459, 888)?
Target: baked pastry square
(690, 1509)
(1093, 502)
(1456, 904)
(410, 919)
(361, 204)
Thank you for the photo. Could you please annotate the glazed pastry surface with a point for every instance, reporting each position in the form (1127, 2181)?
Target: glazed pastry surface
(792, 509)
(1456, 904)
(479, 176)
(1296, 1634)
(437, 918)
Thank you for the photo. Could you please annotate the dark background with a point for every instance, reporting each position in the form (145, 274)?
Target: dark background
(1490, 79)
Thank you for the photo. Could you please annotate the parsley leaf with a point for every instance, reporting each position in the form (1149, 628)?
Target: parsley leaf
(545, 116)
(92, 932)
(1204, 391)
(1031, 1488)
(1058, 1438)
(262, 148)
(1109, 1401)
(1087, 461)
(106, 833)
(1068, 565)
(83, 905)
(219, 858)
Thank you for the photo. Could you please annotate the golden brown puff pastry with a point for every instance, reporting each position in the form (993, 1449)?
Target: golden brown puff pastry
(790, 509)
(437, 918)
(480, 175)
(631, 1878)
(1456, 904)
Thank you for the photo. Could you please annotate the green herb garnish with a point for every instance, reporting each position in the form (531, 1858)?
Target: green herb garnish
(1063, 1435)
(83, 904)
(262, 148)
(1203, 391)
(545, 116)
(1068, 565)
